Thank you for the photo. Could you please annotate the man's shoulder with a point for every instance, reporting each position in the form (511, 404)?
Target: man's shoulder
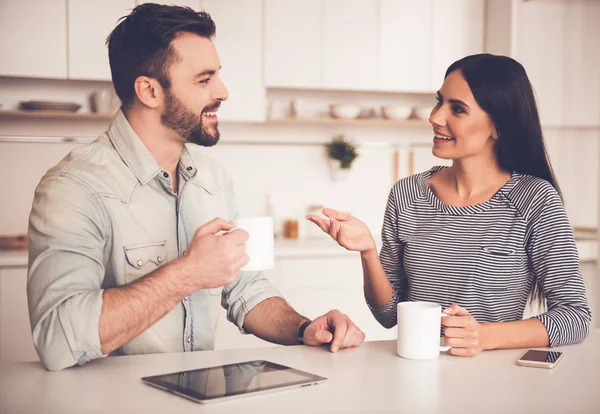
(96, 166)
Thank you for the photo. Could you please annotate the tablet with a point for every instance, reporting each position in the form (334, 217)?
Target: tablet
(226, 382)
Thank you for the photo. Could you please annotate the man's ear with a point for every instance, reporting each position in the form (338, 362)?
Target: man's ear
(148, 91)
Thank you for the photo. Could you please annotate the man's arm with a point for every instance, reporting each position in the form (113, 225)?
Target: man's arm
(274, 320)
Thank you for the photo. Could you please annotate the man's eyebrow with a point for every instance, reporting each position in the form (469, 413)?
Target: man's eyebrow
(206, 72)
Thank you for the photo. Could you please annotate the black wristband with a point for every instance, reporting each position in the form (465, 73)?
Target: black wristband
(301, 332)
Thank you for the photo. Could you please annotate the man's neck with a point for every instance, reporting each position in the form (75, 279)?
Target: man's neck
(164, 144)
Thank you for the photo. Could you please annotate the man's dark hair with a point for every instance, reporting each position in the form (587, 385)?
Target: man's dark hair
(140, 45)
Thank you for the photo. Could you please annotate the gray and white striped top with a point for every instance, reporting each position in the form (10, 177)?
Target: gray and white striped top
(484, 257)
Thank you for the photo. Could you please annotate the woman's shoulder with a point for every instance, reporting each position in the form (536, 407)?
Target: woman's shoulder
(532, 194)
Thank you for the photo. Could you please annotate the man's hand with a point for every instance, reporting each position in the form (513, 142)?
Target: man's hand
(213, 260)
(462, 332)
(336, 328)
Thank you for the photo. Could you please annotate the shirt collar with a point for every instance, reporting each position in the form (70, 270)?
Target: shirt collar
(136, 156)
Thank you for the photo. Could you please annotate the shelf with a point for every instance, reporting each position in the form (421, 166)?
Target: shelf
(336, 121)
(83, 116)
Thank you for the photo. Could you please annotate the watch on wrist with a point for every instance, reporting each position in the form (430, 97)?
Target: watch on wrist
(301, 332)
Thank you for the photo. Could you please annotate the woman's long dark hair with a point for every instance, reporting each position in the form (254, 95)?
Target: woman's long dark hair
(502, 89)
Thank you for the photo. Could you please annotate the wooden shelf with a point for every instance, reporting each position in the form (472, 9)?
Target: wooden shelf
(83, 116)
(337, 121)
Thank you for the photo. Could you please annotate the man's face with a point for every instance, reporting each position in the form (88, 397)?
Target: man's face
(196, 92)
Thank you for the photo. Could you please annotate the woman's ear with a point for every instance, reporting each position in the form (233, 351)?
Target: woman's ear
(494, 134)
(148, 91)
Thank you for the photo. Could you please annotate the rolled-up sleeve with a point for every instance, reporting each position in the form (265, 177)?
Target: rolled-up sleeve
(246, 292)
(68, 231)
(555, 261)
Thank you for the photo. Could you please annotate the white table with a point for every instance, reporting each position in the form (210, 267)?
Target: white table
(366, 379)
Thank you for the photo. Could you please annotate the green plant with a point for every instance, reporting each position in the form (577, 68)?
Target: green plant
(341, 150)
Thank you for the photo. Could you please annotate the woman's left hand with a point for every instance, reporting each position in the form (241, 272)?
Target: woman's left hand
(462, 332)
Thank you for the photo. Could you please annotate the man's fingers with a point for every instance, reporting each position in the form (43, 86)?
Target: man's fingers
(323, 336)
(214, 226)
(456, 310)
(237, 236)
(338, 322)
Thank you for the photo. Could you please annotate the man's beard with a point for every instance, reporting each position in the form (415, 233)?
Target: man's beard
(186, 123)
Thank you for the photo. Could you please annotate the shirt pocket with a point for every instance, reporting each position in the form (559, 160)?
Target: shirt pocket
(144, 258)
(495, 267)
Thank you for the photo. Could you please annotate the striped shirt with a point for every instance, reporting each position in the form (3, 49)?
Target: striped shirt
(485, 257)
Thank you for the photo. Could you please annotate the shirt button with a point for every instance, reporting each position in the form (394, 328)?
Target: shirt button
(190, 168)
(159, 259)
(188, 340)
(139, 263)
(507, 204)
(166, 174)
(185, 299)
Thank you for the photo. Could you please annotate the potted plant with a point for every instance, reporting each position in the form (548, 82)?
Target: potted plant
(342, 154)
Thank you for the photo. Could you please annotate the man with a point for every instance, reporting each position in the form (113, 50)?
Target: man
(130, 242)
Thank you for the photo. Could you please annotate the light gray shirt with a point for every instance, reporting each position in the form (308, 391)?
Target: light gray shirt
(105, 216)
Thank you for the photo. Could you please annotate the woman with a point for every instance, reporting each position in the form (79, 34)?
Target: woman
(484, 235)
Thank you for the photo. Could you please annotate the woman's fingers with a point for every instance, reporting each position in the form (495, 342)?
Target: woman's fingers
(323, 224)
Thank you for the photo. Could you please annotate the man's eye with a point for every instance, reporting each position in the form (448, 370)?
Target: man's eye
(204, 80)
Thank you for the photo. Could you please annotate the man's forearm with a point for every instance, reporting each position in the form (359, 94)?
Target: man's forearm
(274, 320)
(129, 310)
(529, 333)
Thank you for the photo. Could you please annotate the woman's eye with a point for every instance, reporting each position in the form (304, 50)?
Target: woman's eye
(457, 109)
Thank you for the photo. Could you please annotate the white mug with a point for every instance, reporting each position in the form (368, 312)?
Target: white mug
(260, 246)
(419, 325)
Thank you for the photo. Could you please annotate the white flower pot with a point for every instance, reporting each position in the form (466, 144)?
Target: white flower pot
(338, 173)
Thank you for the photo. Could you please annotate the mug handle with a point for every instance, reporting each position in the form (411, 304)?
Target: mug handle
(444, 348)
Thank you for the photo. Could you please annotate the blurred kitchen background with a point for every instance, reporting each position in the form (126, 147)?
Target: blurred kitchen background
(300, 72)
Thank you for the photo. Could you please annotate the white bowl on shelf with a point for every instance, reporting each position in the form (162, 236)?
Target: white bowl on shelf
(422, 112)
(345, 111)
(396, 111)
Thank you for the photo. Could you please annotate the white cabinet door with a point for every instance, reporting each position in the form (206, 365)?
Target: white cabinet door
(239, 43)
(350, 44)
(405, 45)
(458, 31)
(293, 43)
(33, 38)
(90, 23)
(16, 343)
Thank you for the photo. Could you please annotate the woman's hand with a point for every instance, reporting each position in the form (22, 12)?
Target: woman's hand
(462, 332)
(348, 231)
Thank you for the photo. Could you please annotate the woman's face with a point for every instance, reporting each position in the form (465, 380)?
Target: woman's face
(462, 130)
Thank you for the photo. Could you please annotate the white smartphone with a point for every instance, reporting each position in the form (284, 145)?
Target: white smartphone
(540, 359)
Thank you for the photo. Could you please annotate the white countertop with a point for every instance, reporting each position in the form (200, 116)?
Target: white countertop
(318, 247)
(371, 378)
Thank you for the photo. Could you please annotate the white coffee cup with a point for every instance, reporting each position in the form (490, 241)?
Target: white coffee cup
(419, 325)
(260, 246)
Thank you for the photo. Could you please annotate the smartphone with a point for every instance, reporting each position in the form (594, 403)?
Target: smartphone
(540, 359)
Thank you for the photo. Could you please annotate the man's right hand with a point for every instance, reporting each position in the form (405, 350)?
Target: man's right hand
(347, 230)
(214, 260)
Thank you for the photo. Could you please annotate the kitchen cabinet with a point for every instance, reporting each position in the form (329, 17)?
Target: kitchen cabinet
(16, 343)
(33, 38)
(293, 37)
(562, 63)
(89, 24)
(405, 45)
(457, 31)
(239, 43)
(350, 44)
